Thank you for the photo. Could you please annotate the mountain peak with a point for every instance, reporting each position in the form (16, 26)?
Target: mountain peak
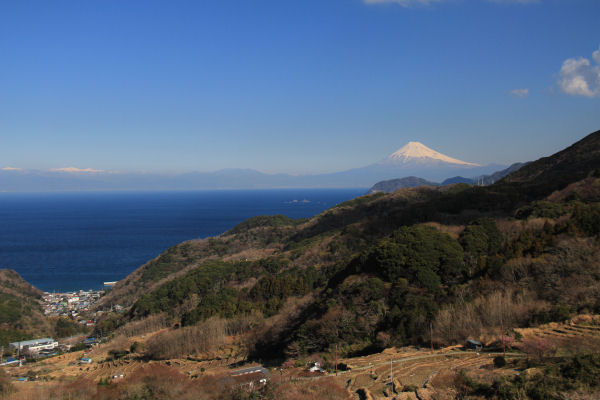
(417, 152)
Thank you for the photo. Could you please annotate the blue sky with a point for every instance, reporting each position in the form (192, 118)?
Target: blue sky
(292, 86)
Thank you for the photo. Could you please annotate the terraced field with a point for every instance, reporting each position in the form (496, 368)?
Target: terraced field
(416, 372)
(412, 371)
(579, 334)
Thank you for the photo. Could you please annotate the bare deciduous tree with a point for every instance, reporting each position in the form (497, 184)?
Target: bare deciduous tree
(179, 343)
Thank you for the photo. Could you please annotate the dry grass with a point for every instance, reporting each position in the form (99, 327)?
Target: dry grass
(179, 343)
(483, 316)
(187, 379)
(150, 382)
(152, 323)
(326, 388)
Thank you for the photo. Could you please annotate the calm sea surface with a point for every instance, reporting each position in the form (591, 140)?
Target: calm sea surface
(69, 241)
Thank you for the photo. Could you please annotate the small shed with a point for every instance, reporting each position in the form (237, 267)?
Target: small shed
(85, 360)
(90, 340)
(316, 367)
(474, 345)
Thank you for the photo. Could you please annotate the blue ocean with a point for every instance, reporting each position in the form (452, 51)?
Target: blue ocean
(71, 241)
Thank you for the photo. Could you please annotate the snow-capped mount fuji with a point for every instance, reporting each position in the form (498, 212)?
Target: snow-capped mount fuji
(415, 159)
(419, 154)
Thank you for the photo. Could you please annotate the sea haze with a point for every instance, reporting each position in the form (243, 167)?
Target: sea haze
(71, 241)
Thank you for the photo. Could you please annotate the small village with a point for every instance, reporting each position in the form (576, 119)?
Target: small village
(75, 306)
(70, 304)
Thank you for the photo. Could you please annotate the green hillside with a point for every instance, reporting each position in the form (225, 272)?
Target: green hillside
(385, 269)
(21, 314)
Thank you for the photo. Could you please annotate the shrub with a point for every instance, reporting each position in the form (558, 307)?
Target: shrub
(421, 254)
(587, 218)
(584, 369)
(136, 347)
(65, 327)
(78, 347)
(541, 209)
(117, 354)
(499, 362)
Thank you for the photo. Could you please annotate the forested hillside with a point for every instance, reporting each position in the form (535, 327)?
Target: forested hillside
(376, 282)
(21, 314)
(451, 262)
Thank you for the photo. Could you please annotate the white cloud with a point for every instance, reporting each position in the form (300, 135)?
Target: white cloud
(580, 77)
(76, 170)
(520, 92)
(11, 169)
(596, 56)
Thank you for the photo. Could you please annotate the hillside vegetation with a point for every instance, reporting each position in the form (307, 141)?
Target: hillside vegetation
(451, 262)
(21, 314)
(374, 282)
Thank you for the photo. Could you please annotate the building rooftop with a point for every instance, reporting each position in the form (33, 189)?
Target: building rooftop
(31, 342)
(475, 342)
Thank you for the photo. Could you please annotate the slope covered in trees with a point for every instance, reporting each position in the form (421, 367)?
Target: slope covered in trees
(576, 162)
(392, 185)
(453, 263)
(21, 314)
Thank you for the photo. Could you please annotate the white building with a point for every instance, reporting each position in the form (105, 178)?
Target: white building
(34, 346)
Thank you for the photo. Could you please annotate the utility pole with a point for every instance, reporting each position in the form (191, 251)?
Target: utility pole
(502, 335)
(336, 360)
(392, 373)
(431, 335)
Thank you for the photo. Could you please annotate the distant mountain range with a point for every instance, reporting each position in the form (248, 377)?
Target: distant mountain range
(414, 159)
(392, 185)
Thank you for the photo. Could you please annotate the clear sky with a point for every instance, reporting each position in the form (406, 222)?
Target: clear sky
(292, 86)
